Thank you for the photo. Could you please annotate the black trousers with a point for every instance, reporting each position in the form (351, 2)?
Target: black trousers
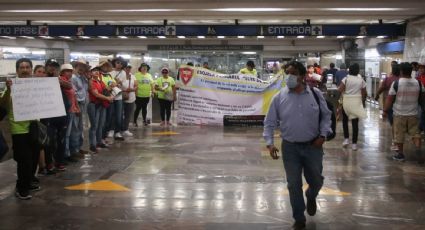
(141, 104)
(165, 109)
(26, 156)
(355, 125)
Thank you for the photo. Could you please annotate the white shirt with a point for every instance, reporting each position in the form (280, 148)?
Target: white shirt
(353, 84)
(125, 85)
(120, 75)
(407, 96)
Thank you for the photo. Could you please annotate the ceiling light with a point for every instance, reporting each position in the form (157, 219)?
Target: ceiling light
(143, 37)
(36, 11)
(38, 52)
(241, 36)
(125, 56)
(65, 37)
(260, 36)
(104, 37)
(123, 37)
(221, 36)
(249, 9)
(249, 52)
(201, 36)
(181, 36)
(27, 37)
(162, 37)
(381, 36)
(340, 36)
(16, 50)
(46, 37)
(143, 10)
(280, 36)
(321, 36)
(363, 9)
(300, 37)
(8, 37)
(360, 37)
(84, 37)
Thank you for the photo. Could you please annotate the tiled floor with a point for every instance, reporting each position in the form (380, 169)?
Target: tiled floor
(220, 178)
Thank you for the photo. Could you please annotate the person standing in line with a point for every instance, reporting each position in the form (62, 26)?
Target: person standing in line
(39, 71)
(384, 88)
(96, 109)
(25, 152)
(421, 78)
(145, 90)
(404, 99)
(295, 110)
(81, 86)
(166, 89)
(312, 79)
(117, 111)
(249, 69)
(110, 83)
(341, 74)
(129, 87)
(352, 85)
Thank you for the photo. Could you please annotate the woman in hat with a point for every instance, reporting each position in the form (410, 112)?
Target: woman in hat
(166, 88)
(145, 89)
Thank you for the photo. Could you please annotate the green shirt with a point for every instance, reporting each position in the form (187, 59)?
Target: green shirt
(167, 85)
(16, 127)
(107, 79)
(144, 87)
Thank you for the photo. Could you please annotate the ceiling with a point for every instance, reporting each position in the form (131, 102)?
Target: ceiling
(181, 12)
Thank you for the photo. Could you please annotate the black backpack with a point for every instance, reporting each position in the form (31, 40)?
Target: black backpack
(333, 117)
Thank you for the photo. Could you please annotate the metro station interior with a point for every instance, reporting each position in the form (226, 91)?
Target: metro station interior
(201, 176)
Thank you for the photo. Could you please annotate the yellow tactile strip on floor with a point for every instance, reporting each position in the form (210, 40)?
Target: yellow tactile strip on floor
(101, 185)
(165, 133)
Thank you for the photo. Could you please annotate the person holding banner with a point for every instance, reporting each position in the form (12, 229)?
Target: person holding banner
(25, 152)
(303, 132)
(145, 89)
(249, 69)
(166, 89)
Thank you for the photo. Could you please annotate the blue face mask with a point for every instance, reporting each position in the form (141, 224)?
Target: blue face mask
(292, 81)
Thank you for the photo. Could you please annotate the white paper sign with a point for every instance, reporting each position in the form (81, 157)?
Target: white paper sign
(36, 98)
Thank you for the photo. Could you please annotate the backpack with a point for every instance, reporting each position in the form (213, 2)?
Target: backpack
(333, 117)
(420, 101)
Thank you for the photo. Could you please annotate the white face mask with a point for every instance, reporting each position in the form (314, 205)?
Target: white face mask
(292, 81)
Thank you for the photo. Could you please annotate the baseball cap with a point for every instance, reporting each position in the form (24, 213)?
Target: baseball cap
(66, 67)
(52, 62)
(165, 69)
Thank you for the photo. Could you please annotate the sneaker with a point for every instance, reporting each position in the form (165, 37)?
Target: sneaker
(111, 133)
(354, 147)
(135, 124)
(60, 167)
(35, 188)
(72, 159)
(394, 147)
(345, 143)
(311, 207)
(102, 146)
(169, 123)
(127, 133)
(23, 195)
(299, 225)
(84, 152)
(93, 149)
(145, 123)
(399, 157)
(162, 123)
(118, 137)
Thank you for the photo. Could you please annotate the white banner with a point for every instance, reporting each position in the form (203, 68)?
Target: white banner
(206, 96)
(36, 98)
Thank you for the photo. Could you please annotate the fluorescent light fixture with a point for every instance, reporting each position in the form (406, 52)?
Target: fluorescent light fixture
(85, 37)
(143, 37)
(249, 52)
(38, 52)
(36, 11)
(181, 36)
(280, 36)
(144, 10)
(16, 50)
(65, 37)
(125, 56)
(8, 37)
(340, 36)
(46, 37)
(162, 37)
(201, 36)
(123, 37)
(381, 36)
(360, 36)
(260, 36)
(104, 37)
(362, 9)
(321, 36)
(241, 36)
(249, 9)
(338, 57)
(300, 37)
(221, 36)
(27, 37)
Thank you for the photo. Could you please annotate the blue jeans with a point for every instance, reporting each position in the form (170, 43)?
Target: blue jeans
(296, 159)
(97, 119)
(73, 135)
(117, 115)
(80, 124)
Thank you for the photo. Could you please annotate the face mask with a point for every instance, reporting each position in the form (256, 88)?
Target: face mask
(292, 81)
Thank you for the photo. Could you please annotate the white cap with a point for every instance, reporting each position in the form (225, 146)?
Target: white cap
(165, 68)
(66, 67)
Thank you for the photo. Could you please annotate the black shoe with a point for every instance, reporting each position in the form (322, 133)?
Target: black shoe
(399, 157)
(135, 124)
(299, 225)
(34, 188)
(311, 207)
(35, 180)
(23, 195)
(72, 159)
(102, 146)
(93, 149)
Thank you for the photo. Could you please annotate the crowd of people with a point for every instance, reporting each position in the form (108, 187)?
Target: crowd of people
(108, 94)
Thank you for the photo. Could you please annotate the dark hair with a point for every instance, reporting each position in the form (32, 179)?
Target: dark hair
(124, 63)
(310, 66)
(144, 64)
(394, 62)
(250, 64)
(415, 63)
(343, 66)
(37, 67)
(22, 60)
(190, 64)
(332, 65)
(205, 63)
(395, 70)
(302, 71)
(354, 69)
(52, 62)
(406, 69)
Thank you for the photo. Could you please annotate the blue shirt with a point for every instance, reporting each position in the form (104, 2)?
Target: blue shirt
(297, 115)
(339, 75)
(81, 86)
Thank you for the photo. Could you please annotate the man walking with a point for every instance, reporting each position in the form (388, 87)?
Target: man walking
(304, 126)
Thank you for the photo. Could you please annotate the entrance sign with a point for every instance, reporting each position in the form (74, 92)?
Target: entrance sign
(206, 96)
(36, 98)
